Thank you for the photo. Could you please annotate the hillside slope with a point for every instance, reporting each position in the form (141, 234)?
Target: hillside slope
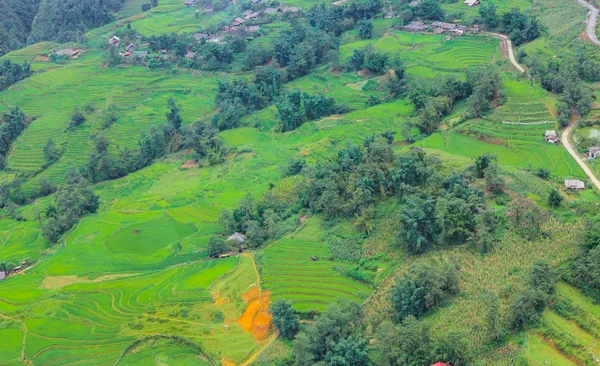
(16, 17)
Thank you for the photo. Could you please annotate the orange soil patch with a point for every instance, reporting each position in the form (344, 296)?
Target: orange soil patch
(220, 300)
(256, 319)
(189, 164)
(226, 362)
(41, 58)
(305, 152)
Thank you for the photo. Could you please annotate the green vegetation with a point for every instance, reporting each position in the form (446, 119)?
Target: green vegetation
(390, 194)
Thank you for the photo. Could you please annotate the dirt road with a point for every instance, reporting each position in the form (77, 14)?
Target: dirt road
(511, 52)
(566, 140)
(591, 21)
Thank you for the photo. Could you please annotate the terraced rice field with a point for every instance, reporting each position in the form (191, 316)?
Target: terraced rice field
(432, 51)
(290, 273)
(566, 340)
(96, 320)
(525, 104)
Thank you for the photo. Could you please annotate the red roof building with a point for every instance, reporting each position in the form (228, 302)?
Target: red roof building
(440, 364)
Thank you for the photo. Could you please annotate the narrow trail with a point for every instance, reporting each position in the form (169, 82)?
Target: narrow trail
(511, 53)
(260, 350)
(24, 341)
(566, 140)
(591, 22)
(255, 271)
(275, 334)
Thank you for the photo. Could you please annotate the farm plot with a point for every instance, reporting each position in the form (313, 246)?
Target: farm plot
(525, 103)
(95, 320)
(432, 51)
(569, 337)
(297, 268)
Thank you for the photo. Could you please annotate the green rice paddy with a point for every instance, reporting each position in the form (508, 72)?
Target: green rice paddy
(131, 276)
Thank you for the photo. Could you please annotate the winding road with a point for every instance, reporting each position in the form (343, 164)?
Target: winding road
(566, 140)
(592, 20)
(511, 53)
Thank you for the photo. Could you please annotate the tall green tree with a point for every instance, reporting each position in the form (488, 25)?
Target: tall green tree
(173, 116)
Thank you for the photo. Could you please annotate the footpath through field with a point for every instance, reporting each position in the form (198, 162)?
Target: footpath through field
(566, 140)
(591, 21)
(275, 334)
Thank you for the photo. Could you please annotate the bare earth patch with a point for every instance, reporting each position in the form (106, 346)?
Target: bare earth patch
(189, 164)
(55, 282)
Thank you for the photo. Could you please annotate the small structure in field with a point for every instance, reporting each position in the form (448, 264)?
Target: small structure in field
(389, 15)
(269, 11)
(114, 41)
(593, 152)
(237, 237)
(237, 22)
(130, 47)
(471, 2)
(252, 29)
(551, 136)
(199, 36)
(68, 52)
(574, 185)
(139, 54)
(2, 275)
(190, 3)
(291, 9)
(227, 255)
(416, 27)
(246, 13)
(190, 55)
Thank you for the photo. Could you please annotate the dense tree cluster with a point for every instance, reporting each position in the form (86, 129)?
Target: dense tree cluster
(520, 27)
(295, 108)
(334, 338)
(430, 10)
(531, 300)
(583, 271)
(338, 18)
(68, 20)
(423, 288)
(412, 343)
(435, 100)
(565, 77)
(368, 58)
(11, 72)
(267, 219)
(154, 143)
(16, 17)
(13, 124)
(237, 98)
(72, 200)
(301, 48)
(285, 319)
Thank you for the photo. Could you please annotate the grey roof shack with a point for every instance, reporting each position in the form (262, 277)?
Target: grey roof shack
(574, 185)
(272, 10)
(237, 237)
(70, 52)
(2, 275)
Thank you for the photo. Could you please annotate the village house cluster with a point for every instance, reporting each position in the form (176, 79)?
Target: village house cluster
(239, 27)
